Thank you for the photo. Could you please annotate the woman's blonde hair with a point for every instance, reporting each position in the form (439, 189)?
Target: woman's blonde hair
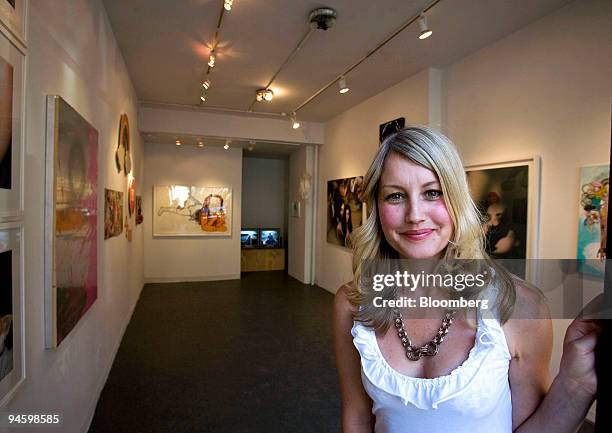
(432, 150)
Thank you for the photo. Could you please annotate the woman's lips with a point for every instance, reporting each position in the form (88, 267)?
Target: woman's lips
(417, 235)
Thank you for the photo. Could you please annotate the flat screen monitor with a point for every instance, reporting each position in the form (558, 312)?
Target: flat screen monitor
(249, 238)
(270, 238)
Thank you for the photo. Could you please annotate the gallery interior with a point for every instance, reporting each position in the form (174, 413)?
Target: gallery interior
(211, 139)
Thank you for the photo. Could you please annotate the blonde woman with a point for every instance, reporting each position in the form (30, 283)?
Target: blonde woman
(447, 371)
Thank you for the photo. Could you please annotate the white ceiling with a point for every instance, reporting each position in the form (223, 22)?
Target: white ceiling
(166, 46)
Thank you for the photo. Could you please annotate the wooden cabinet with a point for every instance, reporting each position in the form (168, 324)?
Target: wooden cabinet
(262, 259)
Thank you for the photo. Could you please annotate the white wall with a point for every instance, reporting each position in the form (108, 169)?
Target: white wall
(191, 258)
(301, 162)
(264, 193)
(351, 139)
(83, 64)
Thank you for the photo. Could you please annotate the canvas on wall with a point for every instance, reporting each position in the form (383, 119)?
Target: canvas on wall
(345, 209)
(139, 217)
(12, 372)
(592, 218)
(180, 210)
(72, 176)
(11, 129)
(506, 195)
(113, 213)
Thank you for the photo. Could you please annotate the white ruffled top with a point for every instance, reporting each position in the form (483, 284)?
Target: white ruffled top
(474, 397)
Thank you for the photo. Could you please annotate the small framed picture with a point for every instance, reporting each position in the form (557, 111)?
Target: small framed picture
(11, 129)
(13, 18)
(12, 355)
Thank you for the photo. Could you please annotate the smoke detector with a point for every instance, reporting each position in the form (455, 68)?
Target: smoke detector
(322, 18)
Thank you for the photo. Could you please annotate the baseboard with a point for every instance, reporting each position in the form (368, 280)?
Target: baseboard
(190, 279)
(100, 386)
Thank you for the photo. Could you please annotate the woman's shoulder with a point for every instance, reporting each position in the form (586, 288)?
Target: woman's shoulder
(343, 306)
(529, 324)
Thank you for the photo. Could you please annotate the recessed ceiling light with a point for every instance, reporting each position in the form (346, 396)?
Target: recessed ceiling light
(177, 142)
(425, 30)
(342, 85)
(200, 143)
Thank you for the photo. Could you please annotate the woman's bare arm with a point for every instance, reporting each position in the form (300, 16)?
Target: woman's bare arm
(356, 404)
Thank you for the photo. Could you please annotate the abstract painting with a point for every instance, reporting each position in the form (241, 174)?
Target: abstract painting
(6, 123)
(72, 176)
(345, 209)
(11, 310)
(139, 217)
(192, 211)
(113, 213)
(391, 127)
(592, 218)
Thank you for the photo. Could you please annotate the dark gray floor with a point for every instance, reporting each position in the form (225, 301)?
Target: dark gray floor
(250, 355)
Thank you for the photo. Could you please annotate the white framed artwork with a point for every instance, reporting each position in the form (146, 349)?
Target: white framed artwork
(12, 333)
(180, 210)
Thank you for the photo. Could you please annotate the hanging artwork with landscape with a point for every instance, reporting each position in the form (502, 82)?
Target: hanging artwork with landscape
(113, 213)
(345, 209)
(192, 211)
(72, 179)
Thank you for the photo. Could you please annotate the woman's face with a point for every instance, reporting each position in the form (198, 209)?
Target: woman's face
(411, 209)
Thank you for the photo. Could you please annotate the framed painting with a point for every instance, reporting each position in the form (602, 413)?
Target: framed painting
(345, 209)
(592, 218)
(123, 154)
(11, 130)
(180, 210)
(139, 217)
(507, 196)
(113, 213)
(390, 127)
(12, 346)
(71, 219)
(13, 18)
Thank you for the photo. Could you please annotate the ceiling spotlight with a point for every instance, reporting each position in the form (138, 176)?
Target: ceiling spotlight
(211, 59)
(251, 146)
(264, 95)
(425, 30)
(227, 144)
(294, 122)
(177, 142)
(203, 97)
(200, 143)
(342, 84)
(206, 83)
(228, 5)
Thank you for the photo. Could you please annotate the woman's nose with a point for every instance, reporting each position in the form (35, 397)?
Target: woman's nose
(414, 212)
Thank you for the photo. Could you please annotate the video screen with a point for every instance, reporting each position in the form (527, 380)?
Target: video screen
(270, 238)
(249, 238)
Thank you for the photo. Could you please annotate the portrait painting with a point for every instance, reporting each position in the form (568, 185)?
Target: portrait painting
(72, 154)
(113, 213)
(345, 209)
(180, 210)
(6, 123)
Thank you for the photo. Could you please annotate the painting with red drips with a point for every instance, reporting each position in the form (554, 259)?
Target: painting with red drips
(74, 273)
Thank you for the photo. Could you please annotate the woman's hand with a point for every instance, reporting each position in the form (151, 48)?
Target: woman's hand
(577, 370)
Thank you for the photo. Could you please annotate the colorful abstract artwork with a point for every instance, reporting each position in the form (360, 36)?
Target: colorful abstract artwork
(192, 211)
(6, 123)
(73, 144)
(113, 213)
(592, 218)
(139, 217)
(131, 197)
(345, 209)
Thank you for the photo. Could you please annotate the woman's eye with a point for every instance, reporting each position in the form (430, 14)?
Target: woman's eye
(433, 194)
(394, 197)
